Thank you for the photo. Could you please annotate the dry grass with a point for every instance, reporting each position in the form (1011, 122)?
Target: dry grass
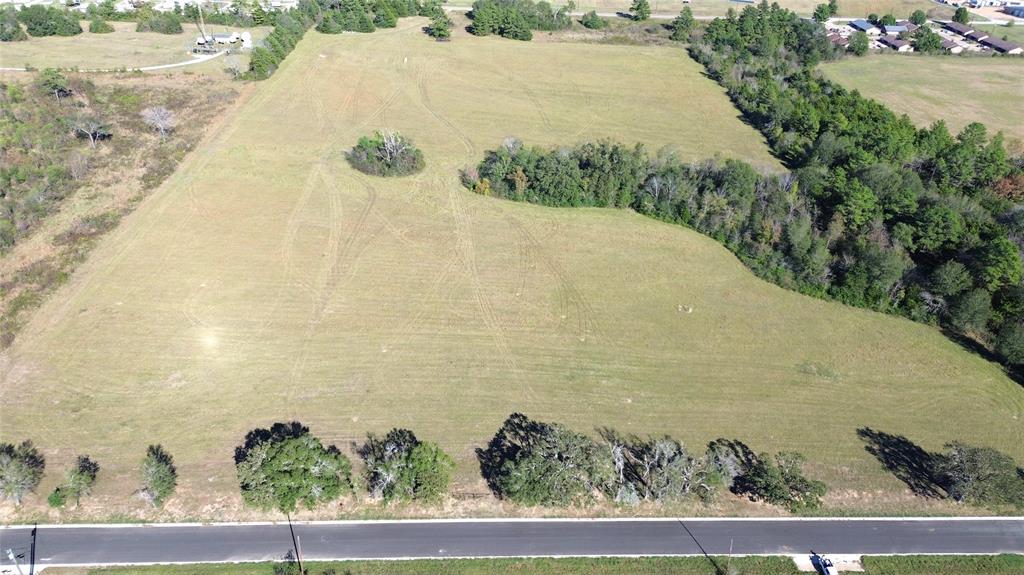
(123, 48)
(266, 281)
(958, 90)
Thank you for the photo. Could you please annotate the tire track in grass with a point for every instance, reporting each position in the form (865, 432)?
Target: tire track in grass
(571, 300)
(467, 250)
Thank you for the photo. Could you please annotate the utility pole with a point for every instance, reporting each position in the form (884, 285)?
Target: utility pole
(298, 553)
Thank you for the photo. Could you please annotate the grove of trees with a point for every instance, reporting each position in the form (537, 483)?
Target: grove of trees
(386, 153)
(530, 462)
(516, 19)
(285, 465)
(400, 467)
(42, 20)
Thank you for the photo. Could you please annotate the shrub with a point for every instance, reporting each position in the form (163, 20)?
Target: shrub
(780, 481)
(401, 467)
(57, 499)
(51, 81)
(283, 465)
(21, 470)
(48, 21)
(159, 22)
(10, 28)
(159, 476)
(386, 153)
(592, 21)
(100, 26)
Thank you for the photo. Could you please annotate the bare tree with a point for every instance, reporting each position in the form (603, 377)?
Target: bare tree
(160, 119)
(394, 146)
(92, 128)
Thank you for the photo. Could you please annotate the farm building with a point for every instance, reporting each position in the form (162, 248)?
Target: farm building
(952, 47)
(1002, 46)
(977, 36)
(865, 26)
(961, 29)
(1015, 11)
(839, 40)
(894, 29)
(895, 43)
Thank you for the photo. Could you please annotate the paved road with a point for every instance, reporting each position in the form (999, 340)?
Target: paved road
(68, 545)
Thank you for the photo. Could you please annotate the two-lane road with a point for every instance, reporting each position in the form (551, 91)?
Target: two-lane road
(127, 544)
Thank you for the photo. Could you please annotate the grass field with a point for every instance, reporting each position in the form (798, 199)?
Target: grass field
(929, 88)
(861, 8)
(123, 48)
(908, 565)
(266, 281)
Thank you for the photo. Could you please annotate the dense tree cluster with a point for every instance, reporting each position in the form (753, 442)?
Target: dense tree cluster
(535, 463)
(42, 20)
(10, 28)
(289, 28)
(891, 209)
(875, 212)
(516, 19)
(281, 466)
(149, 20)
(386, 153)
(401, 467)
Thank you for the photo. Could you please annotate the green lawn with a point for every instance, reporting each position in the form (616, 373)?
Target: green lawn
(267, 281)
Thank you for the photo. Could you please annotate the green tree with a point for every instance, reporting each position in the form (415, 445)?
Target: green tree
(1000, 263)
(950, 279)
(982, 475)
(682, 25)
(592, 21)
(10, 28)
(859, 43)
(99, 26)
(78, 484)
(641, 10)
(888, 20)
(159, 476)
(401, 467)
(780, 481)
(440, 26)
(281, 466)
(51, 81)
(822, 12)
(927, 42)
(971, 311)
(918, 18)
(21, 470)
(1010, 342)
(961, 15)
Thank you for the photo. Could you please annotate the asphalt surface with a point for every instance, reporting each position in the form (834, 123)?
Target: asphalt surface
(105, 545)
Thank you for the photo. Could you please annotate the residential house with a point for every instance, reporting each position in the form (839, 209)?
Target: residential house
(895, 43)
(1002, 46)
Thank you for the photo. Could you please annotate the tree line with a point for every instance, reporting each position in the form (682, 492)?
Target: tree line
(517, 19)
(918, 222)
(534, 463)
(873, 212)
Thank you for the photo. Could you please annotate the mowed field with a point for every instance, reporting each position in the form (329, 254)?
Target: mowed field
(853, 8)
(267, 281)
(122, 48)
(930, 88)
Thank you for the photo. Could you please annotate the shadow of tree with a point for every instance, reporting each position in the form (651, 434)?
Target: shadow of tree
(918, 468)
